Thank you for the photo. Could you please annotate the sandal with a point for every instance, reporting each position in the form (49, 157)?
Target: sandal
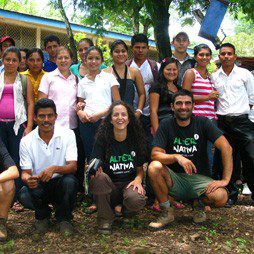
(118, 211)
(155, 208)
(178, 205)
(17, 207)
(91, 209)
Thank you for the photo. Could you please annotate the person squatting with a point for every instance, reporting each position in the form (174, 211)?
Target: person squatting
(58, 119)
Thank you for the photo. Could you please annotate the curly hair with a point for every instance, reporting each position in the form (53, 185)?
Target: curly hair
(135, 132)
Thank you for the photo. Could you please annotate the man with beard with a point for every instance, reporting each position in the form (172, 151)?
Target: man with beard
(180, 143)
(48, 158)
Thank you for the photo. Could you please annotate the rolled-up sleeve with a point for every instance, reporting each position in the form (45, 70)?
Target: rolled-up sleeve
(25, 159)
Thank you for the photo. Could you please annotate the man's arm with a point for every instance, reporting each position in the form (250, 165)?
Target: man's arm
(28, 179)
(160, 155)
(249, 84)
(47, 173)
(227, 161)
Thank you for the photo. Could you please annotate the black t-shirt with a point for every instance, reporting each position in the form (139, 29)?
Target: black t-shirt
(5, 159)
(120, 163)
(189, 141)
(165, 100)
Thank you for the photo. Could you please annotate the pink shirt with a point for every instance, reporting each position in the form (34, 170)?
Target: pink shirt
(7, 103)
(201, 87)
(63, 91)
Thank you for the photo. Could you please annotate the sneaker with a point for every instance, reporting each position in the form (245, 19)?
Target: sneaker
(105, 228)
(166, 217)
(246, 190)
(199, 215)
(66, 228)
(42, 226)
(3, 229)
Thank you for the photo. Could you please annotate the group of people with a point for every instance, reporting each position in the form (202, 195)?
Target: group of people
(56, 117)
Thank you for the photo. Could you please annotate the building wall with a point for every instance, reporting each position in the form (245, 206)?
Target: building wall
(29, 35)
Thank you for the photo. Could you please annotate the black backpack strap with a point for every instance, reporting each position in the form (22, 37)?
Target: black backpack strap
(128, 62)
(154, 68)
(77, 80)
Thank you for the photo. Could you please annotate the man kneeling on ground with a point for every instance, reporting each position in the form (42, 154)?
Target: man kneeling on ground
(48, 158)
(180, 142)
(8, 172)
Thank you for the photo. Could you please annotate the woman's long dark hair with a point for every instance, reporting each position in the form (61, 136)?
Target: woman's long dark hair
(135, 132)
(162, 81)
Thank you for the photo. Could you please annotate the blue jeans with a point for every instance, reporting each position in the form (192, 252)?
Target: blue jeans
(25, 198)
(87, 133)
(60, 191)
(11, 142)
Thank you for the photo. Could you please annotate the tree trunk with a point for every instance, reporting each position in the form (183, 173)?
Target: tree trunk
(135, 20)
(69, 31)
(160, 9)
(146, 26)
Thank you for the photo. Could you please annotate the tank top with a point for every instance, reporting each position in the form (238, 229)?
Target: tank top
(201, 87)
(7, 103)
(130, 87)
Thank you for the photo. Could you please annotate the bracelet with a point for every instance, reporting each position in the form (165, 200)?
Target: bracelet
(139, 110)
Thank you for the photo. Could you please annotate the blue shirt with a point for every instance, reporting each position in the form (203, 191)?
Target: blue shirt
(49, 66)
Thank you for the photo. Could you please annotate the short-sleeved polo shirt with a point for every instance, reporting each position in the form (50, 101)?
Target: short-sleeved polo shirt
(36, 155)
(63, 91)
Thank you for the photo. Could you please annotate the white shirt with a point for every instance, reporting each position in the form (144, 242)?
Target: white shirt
(36, 155)
(148, 79)
(251, 114)
(97, 93)
(236, 91)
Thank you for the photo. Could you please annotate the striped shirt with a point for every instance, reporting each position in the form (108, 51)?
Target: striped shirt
(202, 87)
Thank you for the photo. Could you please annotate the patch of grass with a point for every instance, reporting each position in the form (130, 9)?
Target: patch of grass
(7, 247)
(241, 245)
(213, 232)
(84, 205)
(126, 241)
(142, 242)
(122, 252)
(216, 224)
(228, 243)
(104, 242)
(208, 239)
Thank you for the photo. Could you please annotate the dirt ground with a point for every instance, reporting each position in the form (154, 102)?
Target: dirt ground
(227, 230)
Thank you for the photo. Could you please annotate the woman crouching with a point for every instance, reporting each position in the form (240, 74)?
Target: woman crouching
(117, 185)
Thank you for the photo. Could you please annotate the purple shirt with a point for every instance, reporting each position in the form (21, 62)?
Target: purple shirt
(63, 91)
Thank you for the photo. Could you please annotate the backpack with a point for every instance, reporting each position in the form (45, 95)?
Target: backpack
(24, 88)
(153, 66)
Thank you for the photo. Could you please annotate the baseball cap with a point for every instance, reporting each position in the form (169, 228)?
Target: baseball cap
(181, 34)
(5, 38)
